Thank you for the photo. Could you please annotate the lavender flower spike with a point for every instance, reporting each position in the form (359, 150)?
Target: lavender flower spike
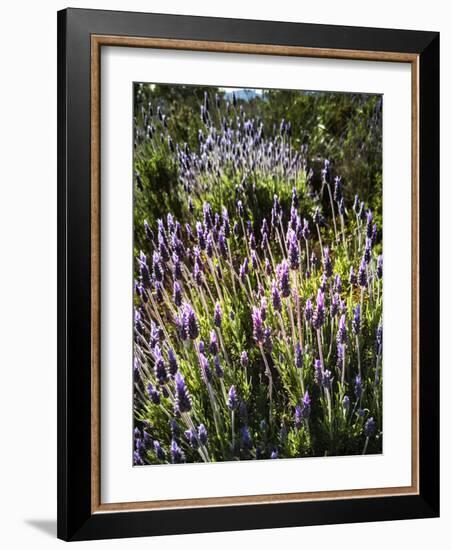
(319, 314)
(257, 324)
(190, 321)
(183, 399)
(232, 401)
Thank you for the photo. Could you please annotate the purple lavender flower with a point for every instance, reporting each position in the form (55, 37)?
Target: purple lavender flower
(244, 269)
(172, 362)
(323, 283)
(160, 366)
(190, 321)
(154, 394)
(200, 235)
(177, 267)
(319, 316)
(356, 204)
(239, 205)
(176, 453)
(218, 369)
(183, 399)
(268, 269)
(198, 277)
(298, 356)
(362, 278)
(213, 347)
(379, 267)
(327, 262)
(283, 276)
(257, 324)
(293, 250)
(356, 321)
(157, 267)
(275, 297)
(191, 436)
(367, 252)
(337, 283)
(155, 331)
(370, 427)
(338, 190)
(205, 368)
(298, 416)
(218, 315)
(342, 332)
(202, 434)
(274, 454)
(225, 222)
(222, 243)
(244, 358)
(209, 245)
(177, 294)
(334, 305)
(161, 455)
(232, 400)
(352, 277)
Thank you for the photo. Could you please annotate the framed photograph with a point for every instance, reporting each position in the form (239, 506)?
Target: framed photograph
(248, 274)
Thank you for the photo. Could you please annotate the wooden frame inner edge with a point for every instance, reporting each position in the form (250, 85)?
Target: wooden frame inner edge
(107, 40)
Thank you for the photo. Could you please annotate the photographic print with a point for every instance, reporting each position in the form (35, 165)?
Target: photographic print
(258, 274)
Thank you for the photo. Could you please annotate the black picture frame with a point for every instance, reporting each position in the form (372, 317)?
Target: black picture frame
(75, 518)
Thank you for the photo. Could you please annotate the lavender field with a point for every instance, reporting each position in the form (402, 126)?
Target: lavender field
(258, 274)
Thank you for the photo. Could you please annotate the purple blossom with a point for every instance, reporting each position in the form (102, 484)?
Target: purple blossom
(161, 455)
(191, 436)
(275, 297)
(327, 262)
(172, 362)
(160, 366)
(352, 277)
(283, 276)
(218, 369)
(370, 427)
(257, 324)
(176, 453)
(205, 368)
(232, 400)
(356, 321)
(154, 394)
(319, 316)
(379, 267)
(213, 347)
(190, 321)
(202, 434)
(183, 399)
(346, 403)
(293, 250)
(308, 311)
(342, 333)
(177, 294)
(362, 278)
(244, 359)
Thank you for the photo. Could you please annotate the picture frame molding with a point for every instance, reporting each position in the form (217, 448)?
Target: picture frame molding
(81, 35)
